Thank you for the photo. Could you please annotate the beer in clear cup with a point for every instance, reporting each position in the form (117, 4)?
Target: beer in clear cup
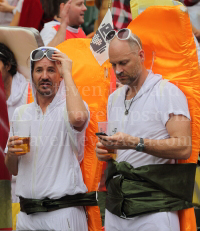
(22, 129)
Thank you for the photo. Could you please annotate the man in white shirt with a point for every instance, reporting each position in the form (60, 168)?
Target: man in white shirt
(154, 125)
(51, 169)
(69, 15)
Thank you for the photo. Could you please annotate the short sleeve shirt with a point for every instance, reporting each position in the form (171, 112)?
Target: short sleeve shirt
(148, 115)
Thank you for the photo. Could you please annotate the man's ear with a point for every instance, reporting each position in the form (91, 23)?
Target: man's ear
(8, 67)
(142, 55)
(62, 6)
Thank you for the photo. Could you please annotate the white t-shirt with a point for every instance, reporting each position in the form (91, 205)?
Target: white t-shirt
(147, 116)
(50, 169)
(48, 32)
(6, 17)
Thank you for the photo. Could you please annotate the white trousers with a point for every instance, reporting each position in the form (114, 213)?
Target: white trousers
(67, 219)
(163, 221)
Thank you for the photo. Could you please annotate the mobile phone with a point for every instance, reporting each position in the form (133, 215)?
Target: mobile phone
(101, 134)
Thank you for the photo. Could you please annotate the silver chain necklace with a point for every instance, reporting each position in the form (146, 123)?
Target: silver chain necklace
(127, 109)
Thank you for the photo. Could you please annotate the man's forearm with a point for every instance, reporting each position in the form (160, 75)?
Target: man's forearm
(59, 37)
(77, 111)
(6, 7)
(10, 9)
(12, 164)
(171, 148)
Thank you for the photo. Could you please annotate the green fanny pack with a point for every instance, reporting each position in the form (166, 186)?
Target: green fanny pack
(30, 206)
(148, 189)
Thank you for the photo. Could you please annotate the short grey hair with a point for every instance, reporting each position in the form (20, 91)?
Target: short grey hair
(133, 44)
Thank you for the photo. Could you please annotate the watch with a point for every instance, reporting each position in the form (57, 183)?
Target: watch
(140, 146)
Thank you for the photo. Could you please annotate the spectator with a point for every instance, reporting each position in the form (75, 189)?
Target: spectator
(68, 16)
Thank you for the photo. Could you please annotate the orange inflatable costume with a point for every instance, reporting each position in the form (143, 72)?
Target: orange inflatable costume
(93, 83)
(168, 42)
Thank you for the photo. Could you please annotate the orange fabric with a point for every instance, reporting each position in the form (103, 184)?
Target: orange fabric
(175, 58)
(90, 2)
(93, 83)
(30, 98)
(90, 35)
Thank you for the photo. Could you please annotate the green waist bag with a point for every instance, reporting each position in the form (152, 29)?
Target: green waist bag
(148, 189)
(30, 206)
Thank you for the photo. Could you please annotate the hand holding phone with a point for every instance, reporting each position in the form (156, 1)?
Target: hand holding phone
(101, 134)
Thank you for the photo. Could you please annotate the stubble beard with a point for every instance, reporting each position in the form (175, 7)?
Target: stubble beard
(47, 93)
(134, 77)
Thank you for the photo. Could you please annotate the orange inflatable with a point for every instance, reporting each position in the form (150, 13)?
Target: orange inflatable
(167, 39)
(93, 83)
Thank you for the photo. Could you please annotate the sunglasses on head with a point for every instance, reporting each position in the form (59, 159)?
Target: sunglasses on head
(123, 34)
(37, 55)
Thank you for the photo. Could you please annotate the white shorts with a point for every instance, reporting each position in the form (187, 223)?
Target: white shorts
(163, 221)
(67, 219)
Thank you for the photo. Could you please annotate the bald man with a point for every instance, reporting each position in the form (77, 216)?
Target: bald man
(154, 130)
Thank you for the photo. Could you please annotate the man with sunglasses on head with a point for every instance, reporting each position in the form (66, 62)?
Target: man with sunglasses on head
(68, 16)
(154, 125)
(49, 176)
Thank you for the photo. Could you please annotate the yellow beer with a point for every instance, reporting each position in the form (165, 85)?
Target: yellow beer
(112, 153)
(25, 145)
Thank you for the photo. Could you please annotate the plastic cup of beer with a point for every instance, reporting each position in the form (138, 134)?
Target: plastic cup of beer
(22, 129)
(109, 128)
